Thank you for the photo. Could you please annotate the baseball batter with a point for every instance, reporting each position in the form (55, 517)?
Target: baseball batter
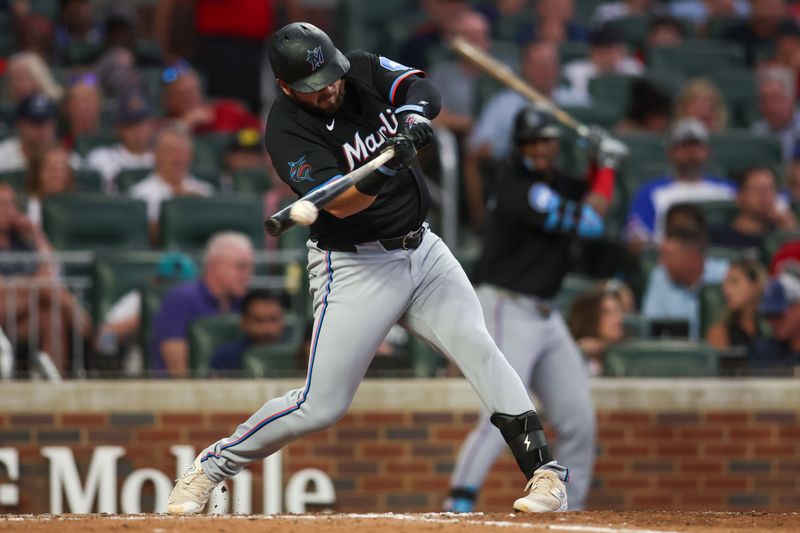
(535, 211)
(373, 262)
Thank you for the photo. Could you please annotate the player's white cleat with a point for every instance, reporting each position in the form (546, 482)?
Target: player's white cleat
(191, 491)
(546, 493)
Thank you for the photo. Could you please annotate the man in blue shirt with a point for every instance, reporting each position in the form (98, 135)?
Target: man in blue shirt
(227, 271)
(262, 323)
(689, 152)
(673, 288)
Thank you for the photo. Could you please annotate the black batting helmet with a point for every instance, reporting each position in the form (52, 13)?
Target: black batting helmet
(534, 123)
(304, 57)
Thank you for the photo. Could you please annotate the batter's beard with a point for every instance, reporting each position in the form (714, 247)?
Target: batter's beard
(327, 112)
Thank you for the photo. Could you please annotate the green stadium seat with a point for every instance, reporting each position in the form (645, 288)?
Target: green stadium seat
(119, 272)
(88, 180)
(252, 181)
(738, 88)
(85, 221)
(188, 221)
(712, 306)
(86, 143)
(718, 212)
(272, 360)
(15, 178)
(573, 286)
(126, 179)
(612, 90)
(636, 326)
(425, 360)
(77, 53)
(773, 241)
(206, 335)
(661, 359)
(598, 115)
(697, 57)
(717, 25)
(633, 29)
(737, 150)
(572, 50)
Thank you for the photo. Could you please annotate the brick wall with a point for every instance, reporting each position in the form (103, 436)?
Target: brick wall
(401, 460)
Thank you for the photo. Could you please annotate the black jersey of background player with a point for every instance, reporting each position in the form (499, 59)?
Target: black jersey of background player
(523, 251)
(308, 149)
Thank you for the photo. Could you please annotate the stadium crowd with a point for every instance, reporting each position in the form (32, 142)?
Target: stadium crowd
(131, 133)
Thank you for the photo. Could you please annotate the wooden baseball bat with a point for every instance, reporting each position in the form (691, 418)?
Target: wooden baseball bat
(502, 73)
(281, 221)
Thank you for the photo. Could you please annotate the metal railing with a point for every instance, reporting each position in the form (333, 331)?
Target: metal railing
(279, 270)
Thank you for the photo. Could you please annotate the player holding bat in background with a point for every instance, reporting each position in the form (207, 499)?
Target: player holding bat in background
(373, 262)
(535, 210)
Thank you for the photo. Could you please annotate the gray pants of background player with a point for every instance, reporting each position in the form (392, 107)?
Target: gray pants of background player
(357, 299)
(541, 350)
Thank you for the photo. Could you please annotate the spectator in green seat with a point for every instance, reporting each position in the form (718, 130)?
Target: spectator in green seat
(777, 88)
(50, 173)
(227, 272)
(135, 131)
(761, 211)
(262, 322)
(82, 106)
(595, 321)
(739, 325)
(28, 74)
(683, 269)
(780, 305)
(767, 17)
(36, 130)
(171, 176)
(700, 99)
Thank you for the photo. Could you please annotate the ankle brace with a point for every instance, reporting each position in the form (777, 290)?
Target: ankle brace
(525, 436)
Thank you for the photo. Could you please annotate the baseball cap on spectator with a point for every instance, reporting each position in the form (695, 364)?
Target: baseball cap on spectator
(246, 140)
(786, 258)
(133, 107)
(780, 293)
(36, 108)
(687, 130)
(175, 266)
(606, 35)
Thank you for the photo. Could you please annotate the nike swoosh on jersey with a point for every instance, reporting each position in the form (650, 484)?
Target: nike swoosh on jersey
(330, 126)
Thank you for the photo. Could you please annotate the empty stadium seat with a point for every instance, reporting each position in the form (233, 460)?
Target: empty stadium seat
(571, 50)
(88, 180)
(698, 57)
(712, 306)
(126, 179)
(119, 272)
(661, 359)
(612, 90)
(272, 360)
(718, 212)
(636, 326)
(85, 221)
(633, 29)
(188, 221)
(206, 335)
(738, 88)
(252, 180)
(737, 150)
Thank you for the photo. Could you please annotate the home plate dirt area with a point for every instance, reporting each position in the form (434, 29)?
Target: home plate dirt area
(587, 521)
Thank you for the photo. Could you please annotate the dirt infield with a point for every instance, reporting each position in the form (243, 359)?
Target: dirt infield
(589, 521)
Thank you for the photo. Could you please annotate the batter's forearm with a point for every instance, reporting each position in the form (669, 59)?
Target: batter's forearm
(419, 92)
(350, 202)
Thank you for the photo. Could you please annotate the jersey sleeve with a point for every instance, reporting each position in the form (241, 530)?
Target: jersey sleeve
(301, 163)
(386, 75)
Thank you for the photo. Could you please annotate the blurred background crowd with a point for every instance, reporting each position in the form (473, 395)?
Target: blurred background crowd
(134, 182)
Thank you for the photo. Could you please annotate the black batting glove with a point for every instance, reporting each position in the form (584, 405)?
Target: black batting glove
(404, 152)
(416, 127)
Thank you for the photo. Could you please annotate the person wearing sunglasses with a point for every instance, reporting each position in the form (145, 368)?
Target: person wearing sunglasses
(185, 101)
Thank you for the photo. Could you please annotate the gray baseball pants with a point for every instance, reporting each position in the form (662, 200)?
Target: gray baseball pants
(542, 351)
(357, 298)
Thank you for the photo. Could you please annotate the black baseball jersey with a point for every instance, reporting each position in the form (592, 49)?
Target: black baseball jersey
(523, 250)
(308, 149)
